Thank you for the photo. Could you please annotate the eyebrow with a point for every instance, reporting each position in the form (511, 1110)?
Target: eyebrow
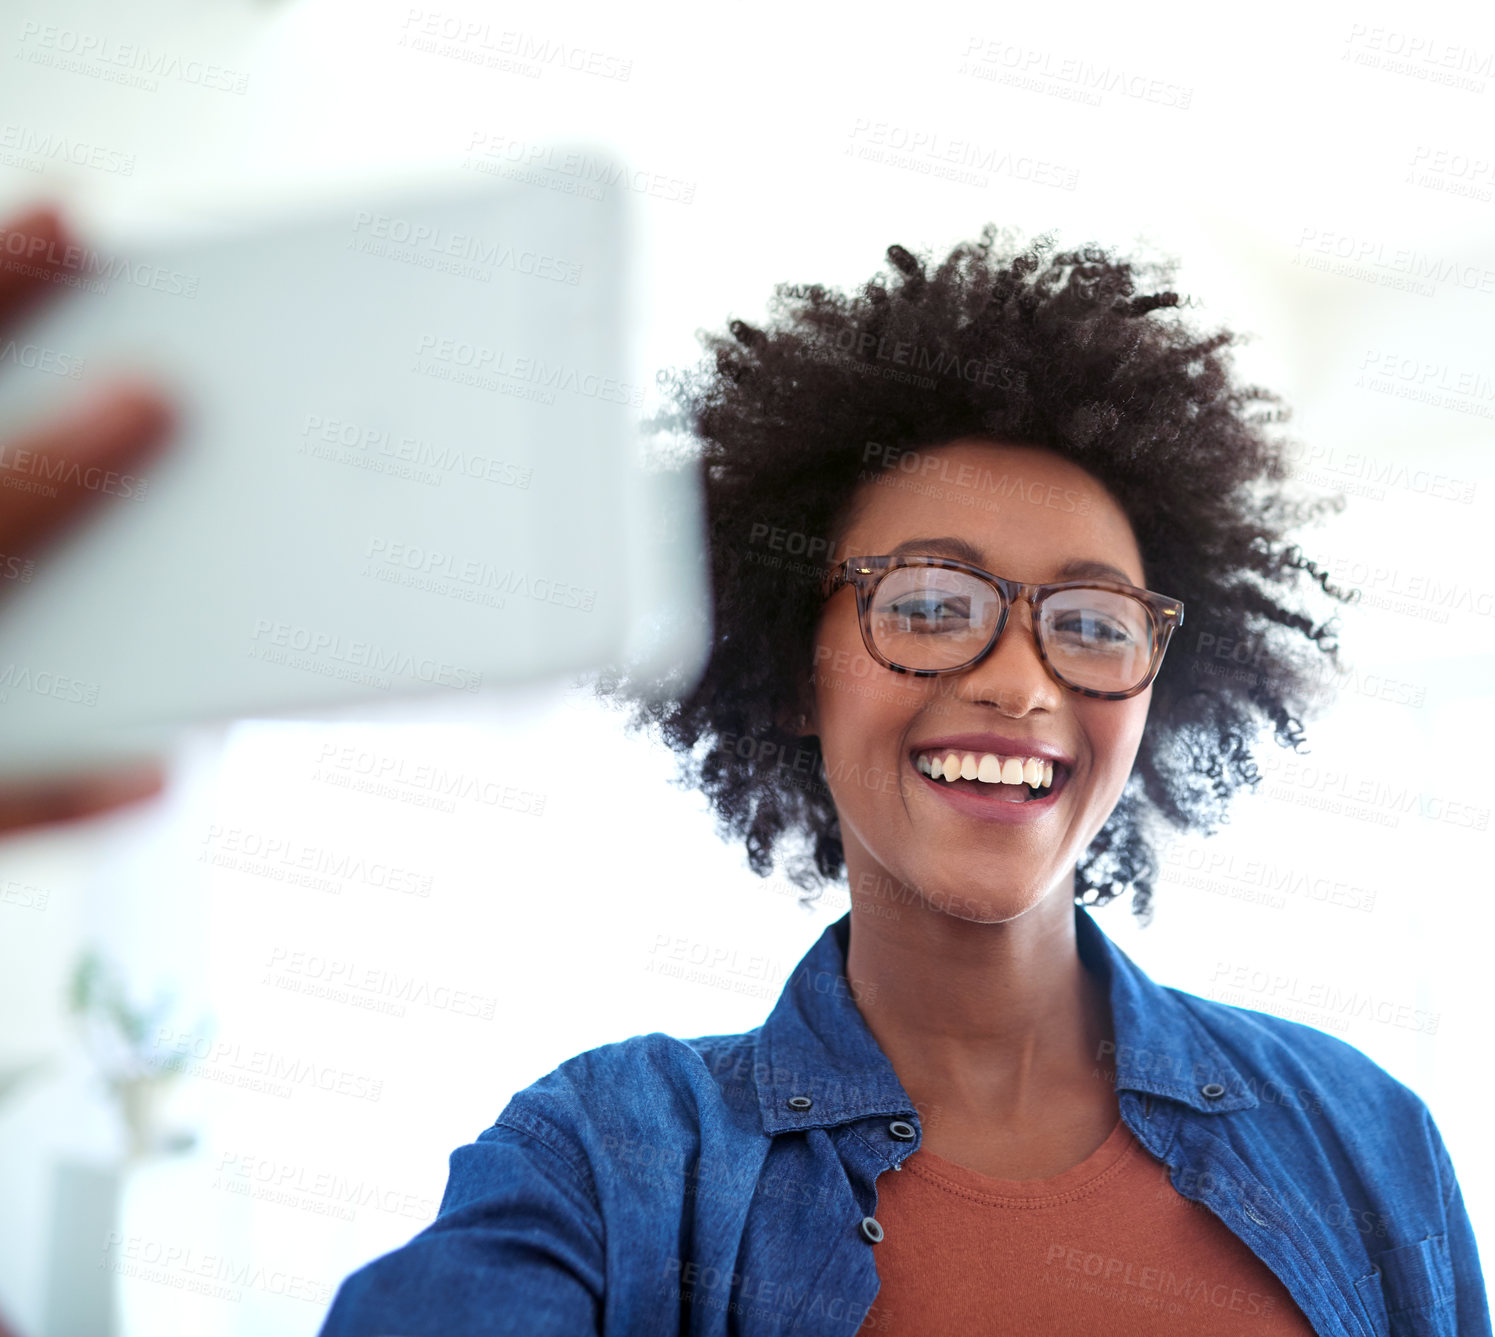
(1077, 568)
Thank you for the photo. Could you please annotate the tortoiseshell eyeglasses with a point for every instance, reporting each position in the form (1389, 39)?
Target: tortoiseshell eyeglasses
(933, 615)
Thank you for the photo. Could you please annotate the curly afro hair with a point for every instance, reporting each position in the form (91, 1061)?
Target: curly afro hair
(1082, 353)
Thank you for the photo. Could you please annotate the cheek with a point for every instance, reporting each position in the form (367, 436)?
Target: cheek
(870, 702)
(836, 645)
(863, 712)
(846, 679)
(1120, 733)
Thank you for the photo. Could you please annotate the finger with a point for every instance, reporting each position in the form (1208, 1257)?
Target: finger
(24, 806)
(51, 472)
(34, 249)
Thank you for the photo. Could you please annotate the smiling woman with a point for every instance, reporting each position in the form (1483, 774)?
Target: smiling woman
(956, 525)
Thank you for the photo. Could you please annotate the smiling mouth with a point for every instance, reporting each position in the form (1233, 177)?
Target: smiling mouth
(992, 777)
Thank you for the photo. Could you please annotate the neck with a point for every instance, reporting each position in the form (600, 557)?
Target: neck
(1000, 1019)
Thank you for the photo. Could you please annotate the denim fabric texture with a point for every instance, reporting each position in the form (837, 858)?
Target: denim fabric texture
(722, 1184)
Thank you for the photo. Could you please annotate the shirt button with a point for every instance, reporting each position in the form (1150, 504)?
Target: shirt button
(800, 1102)
(903, 1130)
(871, 1229)
(1212, 1090)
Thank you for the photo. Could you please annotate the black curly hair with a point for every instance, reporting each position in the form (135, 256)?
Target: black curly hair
(1081, 353)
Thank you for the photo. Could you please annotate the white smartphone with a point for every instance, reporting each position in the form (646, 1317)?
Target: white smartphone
(407, 467)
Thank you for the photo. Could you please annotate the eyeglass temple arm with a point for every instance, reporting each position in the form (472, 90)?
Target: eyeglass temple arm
(835, 578)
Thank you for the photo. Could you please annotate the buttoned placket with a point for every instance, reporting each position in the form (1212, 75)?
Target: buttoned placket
(867, 1143)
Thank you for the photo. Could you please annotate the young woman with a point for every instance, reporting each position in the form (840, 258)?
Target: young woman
(956, 520)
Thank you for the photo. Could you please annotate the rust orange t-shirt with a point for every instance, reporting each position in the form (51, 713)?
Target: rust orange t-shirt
(1109, 1246)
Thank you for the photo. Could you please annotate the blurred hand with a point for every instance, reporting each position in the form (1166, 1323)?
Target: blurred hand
(119, 425)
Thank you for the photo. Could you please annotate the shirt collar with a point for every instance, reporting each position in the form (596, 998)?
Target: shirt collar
(816, 1045)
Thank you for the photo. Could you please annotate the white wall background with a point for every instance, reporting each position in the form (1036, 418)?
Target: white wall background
(1303, 127)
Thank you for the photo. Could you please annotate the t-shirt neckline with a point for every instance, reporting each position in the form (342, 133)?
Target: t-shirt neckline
(1067, 1184)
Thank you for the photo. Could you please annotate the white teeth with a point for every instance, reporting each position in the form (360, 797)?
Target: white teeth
(987, 767)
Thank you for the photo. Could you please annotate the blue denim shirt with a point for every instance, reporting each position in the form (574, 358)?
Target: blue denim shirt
(721, 1184)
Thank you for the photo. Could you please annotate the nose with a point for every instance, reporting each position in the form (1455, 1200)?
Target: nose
(1013, 675)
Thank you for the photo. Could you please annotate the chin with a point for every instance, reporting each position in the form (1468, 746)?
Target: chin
(986, 904)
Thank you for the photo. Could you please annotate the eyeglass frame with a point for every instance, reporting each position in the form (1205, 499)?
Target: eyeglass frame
(864, 574)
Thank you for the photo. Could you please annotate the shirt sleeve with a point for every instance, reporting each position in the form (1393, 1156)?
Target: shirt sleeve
(516, 1248)
(1471, 1300)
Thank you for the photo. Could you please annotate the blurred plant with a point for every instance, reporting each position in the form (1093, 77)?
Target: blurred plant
(117, 1035)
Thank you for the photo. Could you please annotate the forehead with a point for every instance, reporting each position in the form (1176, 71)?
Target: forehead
(1026, 509)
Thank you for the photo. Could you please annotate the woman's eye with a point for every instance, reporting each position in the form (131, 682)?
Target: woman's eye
(1094, 629)
(927, 610)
